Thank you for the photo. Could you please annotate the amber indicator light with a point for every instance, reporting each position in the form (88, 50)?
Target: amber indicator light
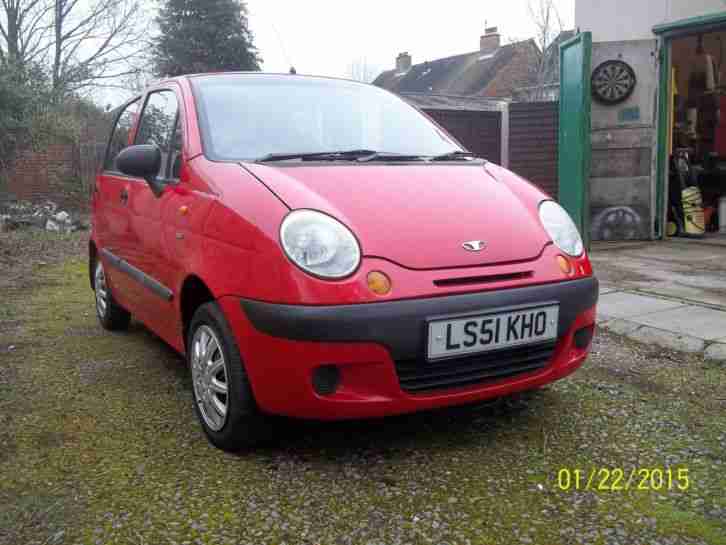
(379, 283)
(565, 265)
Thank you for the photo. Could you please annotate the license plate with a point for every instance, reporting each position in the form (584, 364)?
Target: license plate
(472, 334)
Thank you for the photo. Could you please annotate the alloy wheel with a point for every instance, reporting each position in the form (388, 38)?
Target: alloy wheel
(209, 375)
(101, 290)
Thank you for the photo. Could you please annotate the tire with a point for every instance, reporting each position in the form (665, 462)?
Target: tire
(242, 425)
(112, 316)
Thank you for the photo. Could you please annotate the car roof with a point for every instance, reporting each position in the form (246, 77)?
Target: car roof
(265, 75)
(246, 74)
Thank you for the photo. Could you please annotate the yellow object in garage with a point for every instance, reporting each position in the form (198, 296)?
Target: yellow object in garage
(693, 219)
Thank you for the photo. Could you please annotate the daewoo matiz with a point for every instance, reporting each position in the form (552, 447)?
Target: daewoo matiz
(319, 248)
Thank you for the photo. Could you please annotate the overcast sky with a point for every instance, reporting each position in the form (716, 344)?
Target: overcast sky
(322, 37)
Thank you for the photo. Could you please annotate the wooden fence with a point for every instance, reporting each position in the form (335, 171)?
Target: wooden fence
(531, 130)
(479, 131)
(533, 143)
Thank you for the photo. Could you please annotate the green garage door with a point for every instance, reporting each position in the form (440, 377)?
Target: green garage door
(574, 146)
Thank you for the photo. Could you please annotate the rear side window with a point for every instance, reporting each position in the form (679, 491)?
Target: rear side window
(156, 127)
(121, 135)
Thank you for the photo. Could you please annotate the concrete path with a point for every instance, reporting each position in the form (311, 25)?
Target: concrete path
(672, 294)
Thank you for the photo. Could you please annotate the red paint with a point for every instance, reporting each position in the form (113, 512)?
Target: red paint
(449, 203)
(369, 385)
(410, 220)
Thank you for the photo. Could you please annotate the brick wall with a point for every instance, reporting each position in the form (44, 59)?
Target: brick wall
(45, 174)
(61, 172)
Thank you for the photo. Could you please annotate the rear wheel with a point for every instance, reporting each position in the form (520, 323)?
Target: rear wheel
(223, 399)
(112, 316)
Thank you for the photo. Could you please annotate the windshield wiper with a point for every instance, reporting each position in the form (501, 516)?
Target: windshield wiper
(350, 155)
(389, 156)
(454, 156)
(360, 155)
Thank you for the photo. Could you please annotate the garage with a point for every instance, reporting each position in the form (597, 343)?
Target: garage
(692, 139)
(656, 86)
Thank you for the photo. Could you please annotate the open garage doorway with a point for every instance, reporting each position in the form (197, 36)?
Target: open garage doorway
(692, 130)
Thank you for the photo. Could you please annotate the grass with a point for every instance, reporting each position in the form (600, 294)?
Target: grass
(98, 444)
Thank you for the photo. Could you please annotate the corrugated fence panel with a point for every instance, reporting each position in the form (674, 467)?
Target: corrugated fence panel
(479, 131)
(533, 143)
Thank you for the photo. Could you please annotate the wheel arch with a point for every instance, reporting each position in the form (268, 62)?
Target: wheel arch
(193, 294)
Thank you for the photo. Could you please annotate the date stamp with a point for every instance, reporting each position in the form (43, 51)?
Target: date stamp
(617, 479)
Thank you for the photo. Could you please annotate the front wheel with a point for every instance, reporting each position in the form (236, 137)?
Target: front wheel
(223, 399)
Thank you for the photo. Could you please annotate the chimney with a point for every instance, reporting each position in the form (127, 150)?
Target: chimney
(403, 62)
(489, 43)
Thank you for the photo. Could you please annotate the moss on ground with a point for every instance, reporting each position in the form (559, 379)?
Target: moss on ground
(99, 445)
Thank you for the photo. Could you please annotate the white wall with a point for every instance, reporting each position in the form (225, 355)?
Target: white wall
(619, 20)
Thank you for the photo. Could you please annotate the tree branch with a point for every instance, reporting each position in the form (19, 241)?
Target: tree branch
(92, 41)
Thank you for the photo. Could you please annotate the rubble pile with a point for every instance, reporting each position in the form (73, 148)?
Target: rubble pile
(48, 216)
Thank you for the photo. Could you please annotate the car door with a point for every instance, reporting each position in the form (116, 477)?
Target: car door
(156, 127)
(112, 223)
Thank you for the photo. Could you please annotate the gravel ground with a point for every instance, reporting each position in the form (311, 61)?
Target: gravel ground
(98, 444)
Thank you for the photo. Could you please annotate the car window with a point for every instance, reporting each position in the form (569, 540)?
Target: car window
(175, 156)
(121, 135)
(157, 125)
(245, 117)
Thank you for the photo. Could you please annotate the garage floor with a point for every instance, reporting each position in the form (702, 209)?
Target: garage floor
(691, 270)
(671, 293)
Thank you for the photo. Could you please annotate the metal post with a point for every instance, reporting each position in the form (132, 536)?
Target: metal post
(504, 110)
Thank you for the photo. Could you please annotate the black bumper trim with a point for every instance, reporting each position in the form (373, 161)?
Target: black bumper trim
(149, 282)
(401, 325)
(419, 375)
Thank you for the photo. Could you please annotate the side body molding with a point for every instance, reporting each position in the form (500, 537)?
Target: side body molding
(149, 282)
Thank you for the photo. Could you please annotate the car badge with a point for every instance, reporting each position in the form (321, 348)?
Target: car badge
(474, 245)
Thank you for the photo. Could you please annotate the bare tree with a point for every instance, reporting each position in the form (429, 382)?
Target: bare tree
(81, 43)
(140, 80)
(361, 70)
(548, 25)
(95, 43)
(24, 30)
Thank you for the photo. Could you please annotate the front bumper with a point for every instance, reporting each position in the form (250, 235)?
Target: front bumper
(373, 343)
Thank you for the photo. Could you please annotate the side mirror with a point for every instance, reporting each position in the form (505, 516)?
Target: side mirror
(142, 161)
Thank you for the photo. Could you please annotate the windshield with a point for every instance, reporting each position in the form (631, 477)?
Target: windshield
(248, 117)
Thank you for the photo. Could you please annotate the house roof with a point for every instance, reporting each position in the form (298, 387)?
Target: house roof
(460, 75)
(552, 70)
(427, 101)
(564, 35)
(549, 77)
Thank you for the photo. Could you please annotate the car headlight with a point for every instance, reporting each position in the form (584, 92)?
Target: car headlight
(319, 244)
(560, 227)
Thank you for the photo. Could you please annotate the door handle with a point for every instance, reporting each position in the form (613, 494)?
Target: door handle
(124, 196)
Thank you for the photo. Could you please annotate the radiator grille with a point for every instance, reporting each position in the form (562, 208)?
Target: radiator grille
(487, 279)
(419, 375)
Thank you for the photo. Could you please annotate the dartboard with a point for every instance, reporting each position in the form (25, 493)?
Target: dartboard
(613, 82)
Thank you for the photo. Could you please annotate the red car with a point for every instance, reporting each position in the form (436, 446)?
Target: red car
(319, 248)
